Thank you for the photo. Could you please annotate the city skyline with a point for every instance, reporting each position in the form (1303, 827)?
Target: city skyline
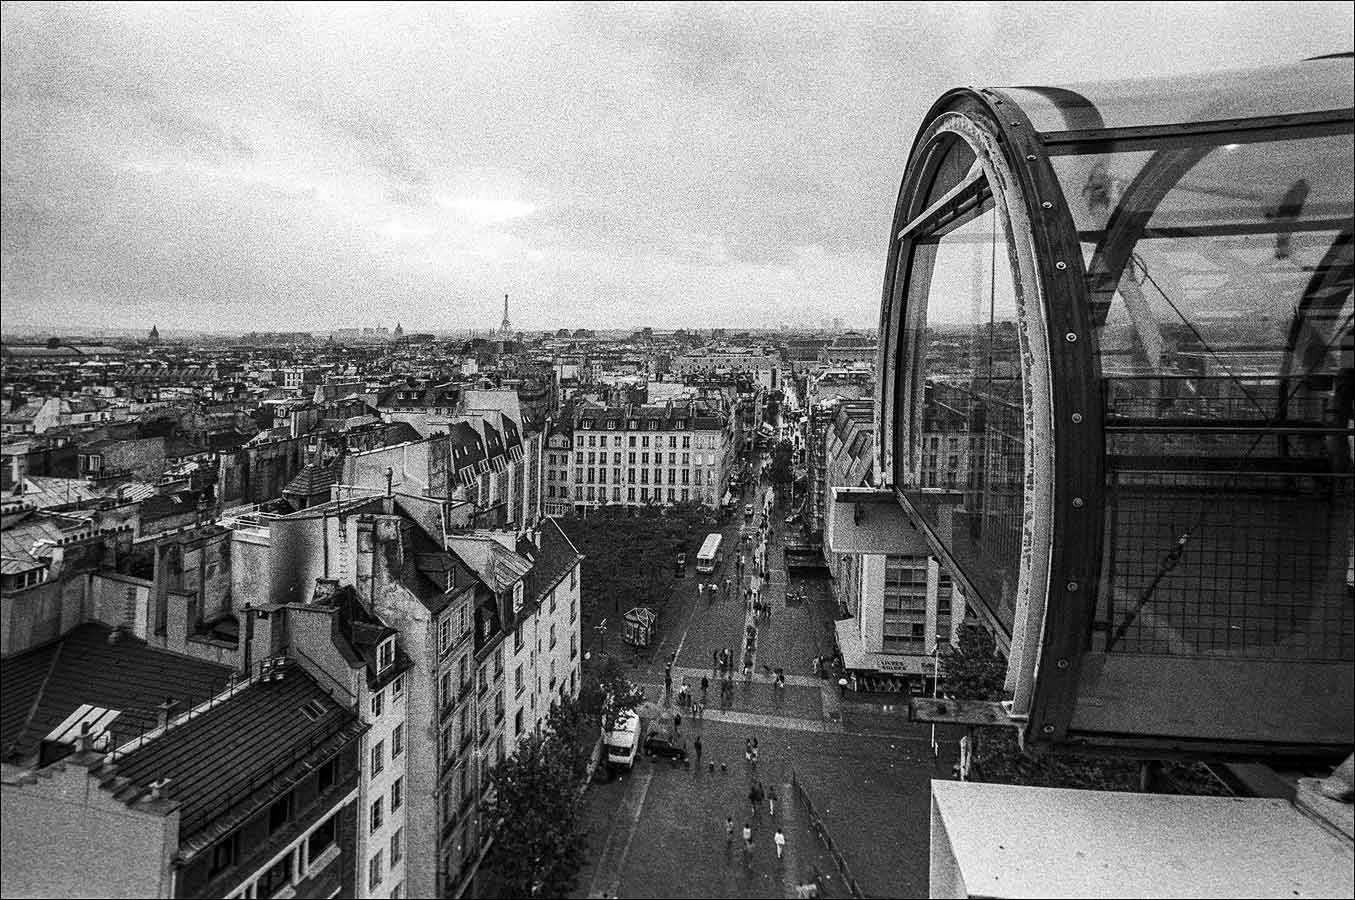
(273, 168)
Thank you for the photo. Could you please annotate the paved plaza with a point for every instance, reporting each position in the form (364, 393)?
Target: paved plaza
(659, 831)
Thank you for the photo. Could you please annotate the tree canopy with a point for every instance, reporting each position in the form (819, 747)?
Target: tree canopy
(782, 469)
(539, 841)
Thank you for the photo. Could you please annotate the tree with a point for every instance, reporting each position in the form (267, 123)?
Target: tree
(782, 468)
(974, 670)
(610, 694)
(536, 808)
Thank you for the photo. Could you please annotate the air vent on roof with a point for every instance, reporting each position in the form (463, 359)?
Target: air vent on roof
(313, 709)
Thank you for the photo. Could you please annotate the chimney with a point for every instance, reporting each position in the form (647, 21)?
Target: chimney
(163, 712)
(85, 742)
(158, 788)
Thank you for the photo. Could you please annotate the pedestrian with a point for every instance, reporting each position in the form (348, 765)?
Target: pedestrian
(748, 749)
(705, 686)
(715, 660)
(780, 841)
(700, 590)
(697, 747)
(747, 841)
(771, 795)
(729, 832)
(755, 757)
(754, 798)
(677, 722)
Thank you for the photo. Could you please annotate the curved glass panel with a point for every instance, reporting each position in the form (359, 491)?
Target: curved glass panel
(1220, 281)
(967, 430)
(1313, 86)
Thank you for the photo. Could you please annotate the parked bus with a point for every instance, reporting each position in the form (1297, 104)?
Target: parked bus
(709, 557)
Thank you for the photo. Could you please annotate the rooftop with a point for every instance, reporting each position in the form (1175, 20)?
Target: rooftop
(40, 688)
(229, 761)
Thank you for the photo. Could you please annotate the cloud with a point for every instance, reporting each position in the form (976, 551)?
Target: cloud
(241, 166)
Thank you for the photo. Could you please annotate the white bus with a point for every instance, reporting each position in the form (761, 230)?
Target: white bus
(709, 557)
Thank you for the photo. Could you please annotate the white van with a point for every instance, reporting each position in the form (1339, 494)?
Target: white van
(624, 742)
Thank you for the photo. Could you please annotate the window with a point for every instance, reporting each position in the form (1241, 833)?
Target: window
(378, 704)
(517, 680)
(224, 855)
(517, 638)
(322, 838)
(630, 494)
(378, 757)
(552, 635)
(573, 646)
(397, 794)
(573, 578)
(377, 818)
(573, 608)
(385, 657)
(498, 656)
(374, 871)
(398, 740)
(397, 688)
(326, 776)
(446, 692)
(465, 618)
(277, 877)
(397, 846)
(552, 600)
(399, 892)
(445, 635)
(280, 813)
(517, 723)
(464, 672)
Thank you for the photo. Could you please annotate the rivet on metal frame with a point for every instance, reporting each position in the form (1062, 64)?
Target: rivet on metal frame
(1048, 729)
(1070, 337)
(1062, 664)
(1030, 157)
(1072, 587)
(1016, 124)
(1078, 503)
(1077, 418)
(1046, 205)
(1060, 265)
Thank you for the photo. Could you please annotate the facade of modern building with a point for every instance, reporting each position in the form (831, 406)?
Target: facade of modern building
(1148, 386)
(895, 607)
(634, 455)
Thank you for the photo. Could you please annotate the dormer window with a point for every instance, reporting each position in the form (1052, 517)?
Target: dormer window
(385, 654)
(517, 598)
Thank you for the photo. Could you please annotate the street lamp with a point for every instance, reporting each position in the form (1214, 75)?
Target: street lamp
(601, 629)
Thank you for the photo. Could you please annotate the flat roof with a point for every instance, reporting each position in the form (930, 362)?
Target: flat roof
(1013, 841)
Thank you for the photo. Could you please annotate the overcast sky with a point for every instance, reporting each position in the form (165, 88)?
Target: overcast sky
(276, 167)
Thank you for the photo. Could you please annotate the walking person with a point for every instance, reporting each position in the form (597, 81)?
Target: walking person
(697, 747)
(705, 686)
(747, 842)
(771, 793)
(780, 840)
(754, 799)
(729, 832)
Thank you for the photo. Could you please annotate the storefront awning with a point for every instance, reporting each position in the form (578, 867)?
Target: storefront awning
(856, 657)
(849, 643)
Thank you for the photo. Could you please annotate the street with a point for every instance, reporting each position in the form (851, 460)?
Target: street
(660, 831)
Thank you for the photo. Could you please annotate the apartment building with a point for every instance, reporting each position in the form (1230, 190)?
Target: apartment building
(637, 454)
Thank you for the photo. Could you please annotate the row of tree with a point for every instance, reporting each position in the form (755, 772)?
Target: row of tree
(537, 808)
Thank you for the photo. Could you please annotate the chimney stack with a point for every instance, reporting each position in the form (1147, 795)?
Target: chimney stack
(158, 788)
(85, 742)
(163, 712)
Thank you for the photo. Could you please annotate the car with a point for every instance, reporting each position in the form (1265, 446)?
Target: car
(662, 742)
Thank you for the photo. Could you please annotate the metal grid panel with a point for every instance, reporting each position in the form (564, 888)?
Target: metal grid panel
(1202, 564)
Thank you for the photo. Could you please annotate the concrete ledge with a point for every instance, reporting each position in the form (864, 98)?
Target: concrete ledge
(866, 520)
